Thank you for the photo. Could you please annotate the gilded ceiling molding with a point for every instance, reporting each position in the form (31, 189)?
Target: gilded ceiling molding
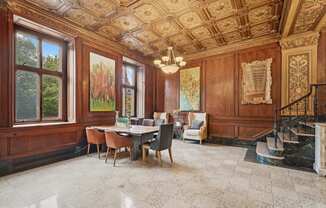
(234, 47)
(290, 11)
(39, 15)
(300, 40)
(321, 24)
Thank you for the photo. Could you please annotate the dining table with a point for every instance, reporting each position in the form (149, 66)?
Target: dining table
(139, 134)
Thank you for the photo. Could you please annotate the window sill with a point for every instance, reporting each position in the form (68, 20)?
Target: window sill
(43, 124)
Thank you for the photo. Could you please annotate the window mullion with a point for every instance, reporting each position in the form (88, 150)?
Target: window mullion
(41, 79)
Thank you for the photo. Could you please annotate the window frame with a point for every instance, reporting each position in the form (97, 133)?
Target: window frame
(134, 87)
(40, 72)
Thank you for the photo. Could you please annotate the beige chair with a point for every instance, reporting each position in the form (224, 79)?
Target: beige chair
(94, 137)
(196, 134)
(161, 115)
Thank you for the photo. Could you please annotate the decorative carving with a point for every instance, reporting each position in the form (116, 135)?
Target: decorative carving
(261, 29)
(227, 25)
(98, 7)
(201, 33)
(305, 39)
(298, 77)
(257, 82)
(147, 13)
(310, 11)
(190, 20)
(220, 9)
(166, 28)
(232, 37)
(179, 40)
(146, 36)
(209, 43)
(126, 22)
(81, 17)
(260, 14)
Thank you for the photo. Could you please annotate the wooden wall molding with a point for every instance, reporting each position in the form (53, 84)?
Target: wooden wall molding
(290, 11)
(221, 93)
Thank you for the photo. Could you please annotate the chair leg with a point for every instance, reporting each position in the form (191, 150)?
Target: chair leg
(201, 141)
(107, 154)
(170, 154)
(156, 153)
(115, 157)
(88, 147)
(98, 150)
(130, 151)
(159, 157)
(143, 153)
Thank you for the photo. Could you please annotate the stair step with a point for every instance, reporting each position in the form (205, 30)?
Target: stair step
(262, 151)
(271, 144)
(309, 124)
(285, 138)
(301, 132)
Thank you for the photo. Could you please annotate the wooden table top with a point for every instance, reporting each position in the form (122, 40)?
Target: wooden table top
(133, 130)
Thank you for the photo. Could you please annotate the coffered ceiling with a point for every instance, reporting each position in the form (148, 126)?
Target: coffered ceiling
(191, 26)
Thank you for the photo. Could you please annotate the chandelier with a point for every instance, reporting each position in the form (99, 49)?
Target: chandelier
(170, 64)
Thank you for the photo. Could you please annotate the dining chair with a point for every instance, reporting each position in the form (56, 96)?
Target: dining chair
(162, 142)
(115, 142)
(94, 136)
(148, 122)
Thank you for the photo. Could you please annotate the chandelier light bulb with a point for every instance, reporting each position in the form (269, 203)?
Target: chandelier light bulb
(178, 59)
(165, 58)
(157, 62)
(182, 63)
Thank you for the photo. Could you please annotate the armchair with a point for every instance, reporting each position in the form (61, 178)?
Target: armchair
(196, 134)
(162, 116)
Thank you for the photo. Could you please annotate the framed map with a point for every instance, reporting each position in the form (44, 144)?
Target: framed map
(190, 89)
(102, 83)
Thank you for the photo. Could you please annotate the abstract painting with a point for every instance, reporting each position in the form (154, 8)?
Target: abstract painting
(102, 83)
(257, 82)
(190, 89)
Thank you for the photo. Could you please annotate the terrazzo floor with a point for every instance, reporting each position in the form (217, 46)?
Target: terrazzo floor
(203, 176)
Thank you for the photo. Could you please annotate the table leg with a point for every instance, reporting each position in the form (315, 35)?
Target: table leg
(137, 141)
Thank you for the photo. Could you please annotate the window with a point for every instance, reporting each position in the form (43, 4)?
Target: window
(129, 89)
(40, 77)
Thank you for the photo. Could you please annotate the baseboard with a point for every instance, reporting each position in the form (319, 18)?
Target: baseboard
(231, 142)
(21, 164)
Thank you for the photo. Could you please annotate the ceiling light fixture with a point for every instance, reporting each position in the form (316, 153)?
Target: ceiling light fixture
(170, 64)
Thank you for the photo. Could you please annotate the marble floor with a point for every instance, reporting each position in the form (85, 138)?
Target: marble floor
(202, 176)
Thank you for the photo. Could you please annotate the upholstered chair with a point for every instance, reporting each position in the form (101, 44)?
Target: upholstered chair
(94, 137)
(162, 142)
(161, 116)
(148, 122)
(115, 142)
(193, 131)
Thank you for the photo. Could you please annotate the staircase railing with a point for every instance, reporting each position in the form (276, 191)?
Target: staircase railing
(295, 113)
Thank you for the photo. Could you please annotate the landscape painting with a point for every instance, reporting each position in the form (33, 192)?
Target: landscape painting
(102, 83)
(190, 89)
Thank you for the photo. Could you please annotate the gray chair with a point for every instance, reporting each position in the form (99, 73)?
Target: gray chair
(162, 142)
(148, 122)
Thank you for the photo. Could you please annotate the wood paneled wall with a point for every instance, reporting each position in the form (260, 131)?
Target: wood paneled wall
(221, 81)
(22, 142)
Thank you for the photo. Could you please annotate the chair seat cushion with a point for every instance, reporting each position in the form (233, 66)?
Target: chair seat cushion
(196, 124)
(192, 132)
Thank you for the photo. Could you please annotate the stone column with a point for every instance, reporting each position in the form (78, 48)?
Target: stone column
(320, 149)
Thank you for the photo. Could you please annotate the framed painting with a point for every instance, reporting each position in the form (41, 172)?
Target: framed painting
(102, 83)
(190, 89)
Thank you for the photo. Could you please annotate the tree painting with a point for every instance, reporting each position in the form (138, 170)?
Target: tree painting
(102, 83)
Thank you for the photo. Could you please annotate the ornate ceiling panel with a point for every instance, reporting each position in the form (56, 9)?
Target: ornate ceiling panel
(309, 14)
(191, 26)
(220, 9)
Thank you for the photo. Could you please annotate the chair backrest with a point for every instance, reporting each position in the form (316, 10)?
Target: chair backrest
(161, 115)
(164, 138)
(94, 136)
(197, 116)
(148, 122)
(114, 140)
